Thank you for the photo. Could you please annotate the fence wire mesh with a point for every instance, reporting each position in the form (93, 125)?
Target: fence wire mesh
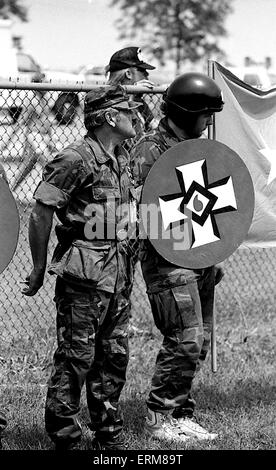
(36, 124)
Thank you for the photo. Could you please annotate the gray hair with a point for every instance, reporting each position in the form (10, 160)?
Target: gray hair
(117, 77)
(96, 118)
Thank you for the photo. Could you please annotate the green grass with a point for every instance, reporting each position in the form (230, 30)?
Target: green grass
(238, 401)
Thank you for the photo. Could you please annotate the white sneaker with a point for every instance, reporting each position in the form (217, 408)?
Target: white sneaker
(163, 426)
(192, 429)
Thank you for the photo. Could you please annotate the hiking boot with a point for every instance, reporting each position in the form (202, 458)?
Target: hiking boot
(192, 429)
(109, 445)
(164, 426)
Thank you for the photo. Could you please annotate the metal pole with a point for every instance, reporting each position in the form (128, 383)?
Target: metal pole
(78, 86)
(214, 339)
(212, 135)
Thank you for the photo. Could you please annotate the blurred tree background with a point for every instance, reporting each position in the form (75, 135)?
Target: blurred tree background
(10, 8)
(185, 30)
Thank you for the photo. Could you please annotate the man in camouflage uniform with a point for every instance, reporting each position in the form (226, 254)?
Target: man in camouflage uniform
(89, 187)
(181, 299)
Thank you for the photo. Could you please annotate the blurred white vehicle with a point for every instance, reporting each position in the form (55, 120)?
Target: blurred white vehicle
(93, 74)
(63, 105)
(272, 77)
(18, 65)
(254, 75)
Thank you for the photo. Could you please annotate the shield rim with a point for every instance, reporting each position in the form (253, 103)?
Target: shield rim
(14, 213)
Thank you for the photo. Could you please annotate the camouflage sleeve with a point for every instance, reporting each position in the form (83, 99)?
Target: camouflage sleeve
(60, 178)
(143, 155)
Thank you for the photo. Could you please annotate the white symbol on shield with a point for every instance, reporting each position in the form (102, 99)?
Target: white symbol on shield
(198, 202)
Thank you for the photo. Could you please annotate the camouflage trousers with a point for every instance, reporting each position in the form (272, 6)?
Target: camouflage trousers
(92, 349)
(184, 315)
(3, 423)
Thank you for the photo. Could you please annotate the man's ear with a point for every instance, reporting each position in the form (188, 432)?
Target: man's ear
(128, 74)
(110, 118)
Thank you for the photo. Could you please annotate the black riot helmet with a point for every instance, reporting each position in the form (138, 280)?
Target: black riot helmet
(191, 93)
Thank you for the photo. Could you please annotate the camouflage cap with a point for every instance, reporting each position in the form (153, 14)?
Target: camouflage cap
(111, 97)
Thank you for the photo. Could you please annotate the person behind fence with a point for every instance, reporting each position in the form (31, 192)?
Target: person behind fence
(127, 67)
(181, 299)
(89, 187)
(33, 126)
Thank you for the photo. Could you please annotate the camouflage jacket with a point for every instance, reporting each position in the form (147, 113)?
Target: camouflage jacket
(149, 148)
(158, 272)
(94, 199)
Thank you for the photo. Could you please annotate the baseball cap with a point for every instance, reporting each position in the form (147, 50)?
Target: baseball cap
(127, 57)
(112, 97)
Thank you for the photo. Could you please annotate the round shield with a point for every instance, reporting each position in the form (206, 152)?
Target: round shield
(197, 203)
(9, 225)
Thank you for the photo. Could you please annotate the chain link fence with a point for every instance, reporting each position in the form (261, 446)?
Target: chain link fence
(35, 123)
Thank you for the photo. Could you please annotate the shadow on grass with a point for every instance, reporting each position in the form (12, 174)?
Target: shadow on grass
(133, 410)
(244, 393)
(230, 412)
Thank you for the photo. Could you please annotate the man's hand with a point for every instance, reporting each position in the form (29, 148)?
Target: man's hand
(146, 83)
(219, 273)
(33, 282)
